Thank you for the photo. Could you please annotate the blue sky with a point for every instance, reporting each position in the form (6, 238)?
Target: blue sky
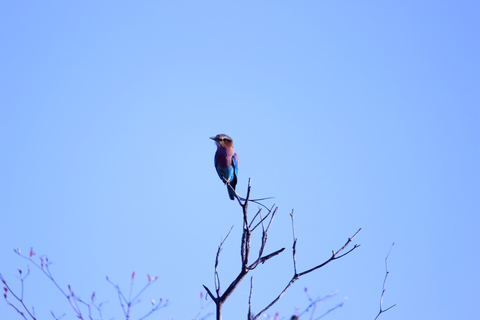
(353, 114)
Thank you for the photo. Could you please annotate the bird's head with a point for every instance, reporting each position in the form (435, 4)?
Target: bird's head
(222, 140)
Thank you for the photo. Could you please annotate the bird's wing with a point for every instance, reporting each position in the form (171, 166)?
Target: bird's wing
(235, 164)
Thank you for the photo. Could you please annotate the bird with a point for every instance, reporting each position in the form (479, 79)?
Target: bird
(226, 162)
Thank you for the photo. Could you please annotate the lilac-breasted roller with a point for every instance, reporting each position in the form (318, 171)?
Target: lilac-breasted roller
(226, 161)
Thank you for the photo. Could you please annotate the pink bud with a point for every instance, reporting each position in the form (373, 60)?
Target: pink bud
(149, 279)
(133, 275)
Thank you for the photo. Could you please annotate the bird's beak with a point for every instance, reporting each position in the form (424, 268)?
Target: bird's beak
(213, 138)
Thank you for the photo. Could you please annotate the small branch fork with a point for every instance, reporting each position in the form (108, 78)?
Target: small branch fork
(127, 304)
(384, 289)
(246, 266)
(312, 307)
(75, 301)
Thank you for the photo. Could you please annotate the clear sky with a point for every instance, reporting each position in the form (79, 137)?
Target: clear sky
(354, 114)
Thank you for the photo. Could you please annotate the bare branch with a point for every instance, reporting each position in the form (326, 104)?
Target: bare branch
(384, 289)
(295, 277)
(264, 241)
(265, 258)
(199, 315)
(210, 293)
(335, 255)
(250, 299)
(331, 309)
(19, 299)
(314, 302)
(254, 217)
(217, 277)
(294, 247)
(128, 304)
(264, 218)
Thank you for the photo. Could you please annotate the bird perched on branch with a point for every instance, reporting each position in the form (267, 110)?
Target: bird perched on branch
(226, 162)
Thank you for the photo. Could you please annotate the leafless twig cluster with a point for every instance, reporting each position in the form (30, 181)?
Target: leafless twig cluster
(127, 304)
(203, 305)
(246, 266)
(83, 309)
(310, 311)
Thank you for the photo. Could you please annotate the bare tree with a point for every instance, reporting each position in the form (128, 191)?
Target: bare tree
(91, 309)
(246, 266)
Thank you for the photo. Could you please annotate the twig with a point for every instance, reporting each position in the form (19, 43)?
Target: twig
(384, 283)
(335, 255)
(250, 299)
(19, 299)
(128, 304)
(202, 307)
(217, 277)
(254, 217)
(331, 309)
(313, 303)
(294, 247)
(264, 218)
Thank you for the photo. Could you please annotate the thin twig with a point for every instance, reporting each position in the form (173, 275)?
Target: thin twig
(294, 247)
(217, 259)
(199, 316)
(254, 217)
(265, 258)
(384, 289)
(331, 309)
(264, 218)
(335, 255)
(19, 299)
(250, 299)
(313, 303)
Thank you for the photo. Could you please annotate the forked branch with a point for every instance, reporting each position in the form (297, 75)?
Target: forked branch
(335, 255)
